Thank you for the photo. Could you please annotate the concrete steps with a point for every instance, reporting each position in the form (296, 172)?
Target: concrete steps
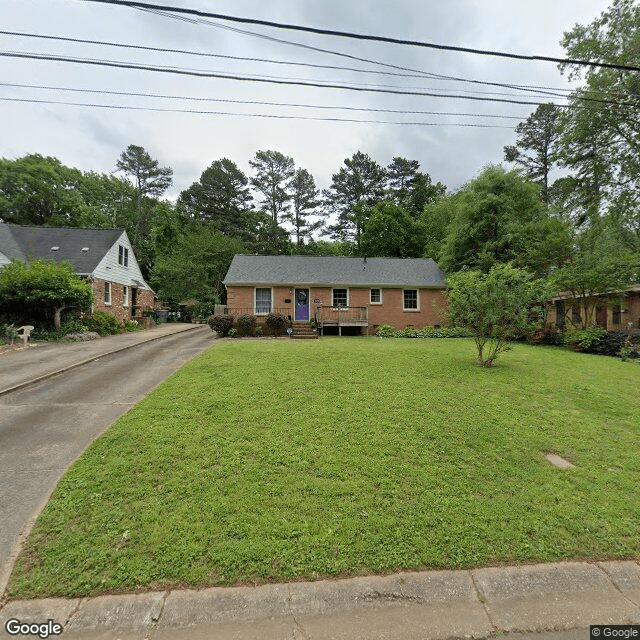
(303, 331)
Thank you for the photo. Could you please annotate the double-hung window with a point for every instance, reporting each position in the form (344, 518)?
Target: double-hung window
(107, 293)
(125, 296)
(263, 300)
(616, 314)
(559, 313)
(340, 298)
(123, 256)
(410, 300)
(375, 296)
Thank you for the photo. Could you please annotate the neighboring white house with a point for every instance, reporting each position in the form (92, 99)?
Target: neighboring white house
(103, 256)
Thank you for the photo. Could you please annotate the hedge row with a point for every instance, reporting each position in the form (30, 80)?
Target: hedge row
(247, 325)
(387, 331)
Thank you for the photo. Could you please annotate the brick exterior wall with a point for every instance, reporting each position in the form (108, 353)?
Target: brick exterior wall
(144, 300)
(630, 305)
(431, 302)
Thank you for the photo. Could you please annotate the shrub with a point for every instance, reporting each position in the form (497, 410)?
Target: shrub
(627, 352)
(73, 325)
(8, 332)
(610, 343)
(246, 324)
(583, 339)
(386, 331)
(132, 325)
(257, 331)
(151, 313)
(200, 310)
(106, 324)
(277, 323)
(551, 337)
(232, 333)
(221, 324)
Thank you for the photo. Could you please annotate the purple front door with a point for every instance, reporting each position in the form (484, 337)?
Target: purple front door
(302, 304)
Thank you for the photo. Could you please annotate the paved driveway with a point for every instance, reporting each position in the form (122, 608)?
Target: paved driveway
(44, 427)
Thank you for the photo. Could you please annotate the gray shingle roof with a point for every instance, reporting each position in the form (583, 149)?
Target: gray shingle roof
(37, 243)
(8, 246)
(334, 270)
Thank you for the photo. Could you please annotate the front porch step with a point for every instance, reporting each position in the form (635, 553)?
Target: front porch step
(303, 330)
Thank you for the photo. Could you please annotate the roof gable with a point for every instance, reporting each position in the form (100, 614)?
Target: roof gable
(83, 248)
(334, 270)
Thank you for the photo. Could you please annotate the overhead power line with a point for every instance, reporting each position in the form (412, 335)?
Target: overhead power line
(361, 36)
(429, 74)
(258, 102)
(254, 115)
(291, 82)
(409, 73)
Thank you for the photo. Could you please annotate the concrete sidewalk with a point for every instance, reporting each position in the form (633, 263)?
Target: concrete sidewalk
(430, 605)
(25, 365)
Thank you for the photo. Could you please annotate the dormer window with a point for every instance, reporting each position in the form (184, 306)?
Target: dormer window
(123, 256)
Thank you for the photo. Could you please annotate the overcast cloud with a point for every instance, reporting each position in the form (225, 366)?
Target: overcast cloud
(92, 138)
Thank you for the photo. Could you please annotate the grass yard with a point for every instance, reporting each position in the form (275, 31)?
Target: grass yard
(278, 460)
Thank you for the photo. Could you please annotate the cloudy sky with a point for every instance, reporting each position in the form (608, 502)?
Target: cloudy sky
(91, 137)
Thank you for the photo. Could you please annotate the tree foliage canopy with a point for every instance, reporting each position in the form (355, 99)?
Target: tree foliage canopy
(599, 267)
(149, 178)
(221, 198)
(497, 218)
(29, 288)
(497, 306)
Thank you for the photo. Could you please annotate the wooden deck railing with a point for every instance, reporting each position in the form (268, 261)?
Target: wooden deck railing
(342, 316)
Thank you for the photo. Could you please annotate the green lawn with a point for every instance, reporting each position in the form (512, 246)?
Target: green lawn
(277, 460)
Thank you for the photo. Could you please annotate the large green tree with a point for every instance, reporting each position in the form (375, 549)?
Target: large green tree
(499, 217)
(361, 180)
(221, 198)
(601, 132)
(195, 266)
(29, 289)
(37, 190)
(149, 178)
(273, 171)
(391, 232)
(150, 181)
(305, 201)
(536, 148)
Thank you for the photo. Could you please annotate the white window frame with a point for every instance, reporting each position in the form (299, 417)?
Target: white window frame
(123, 256)
(255, 301)
(125, 295)
(107, 294)
(336, 306)
(417, 308)
(371, 300)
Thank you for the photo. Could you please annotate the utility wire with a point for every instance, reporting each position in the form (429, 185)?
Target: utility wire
(319, 85)
(554, 92)
(427, 74)
(361, 36)
(257, 102)
(253, 115)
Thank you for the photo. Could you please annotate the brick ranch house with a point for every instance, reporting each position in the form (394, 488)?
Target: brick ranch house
(338, 291)
(618, 311)
(103, 256)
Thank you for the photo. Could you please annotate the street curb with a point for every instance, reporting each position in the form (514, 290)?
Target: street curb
(27, 383)
(467, 603)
